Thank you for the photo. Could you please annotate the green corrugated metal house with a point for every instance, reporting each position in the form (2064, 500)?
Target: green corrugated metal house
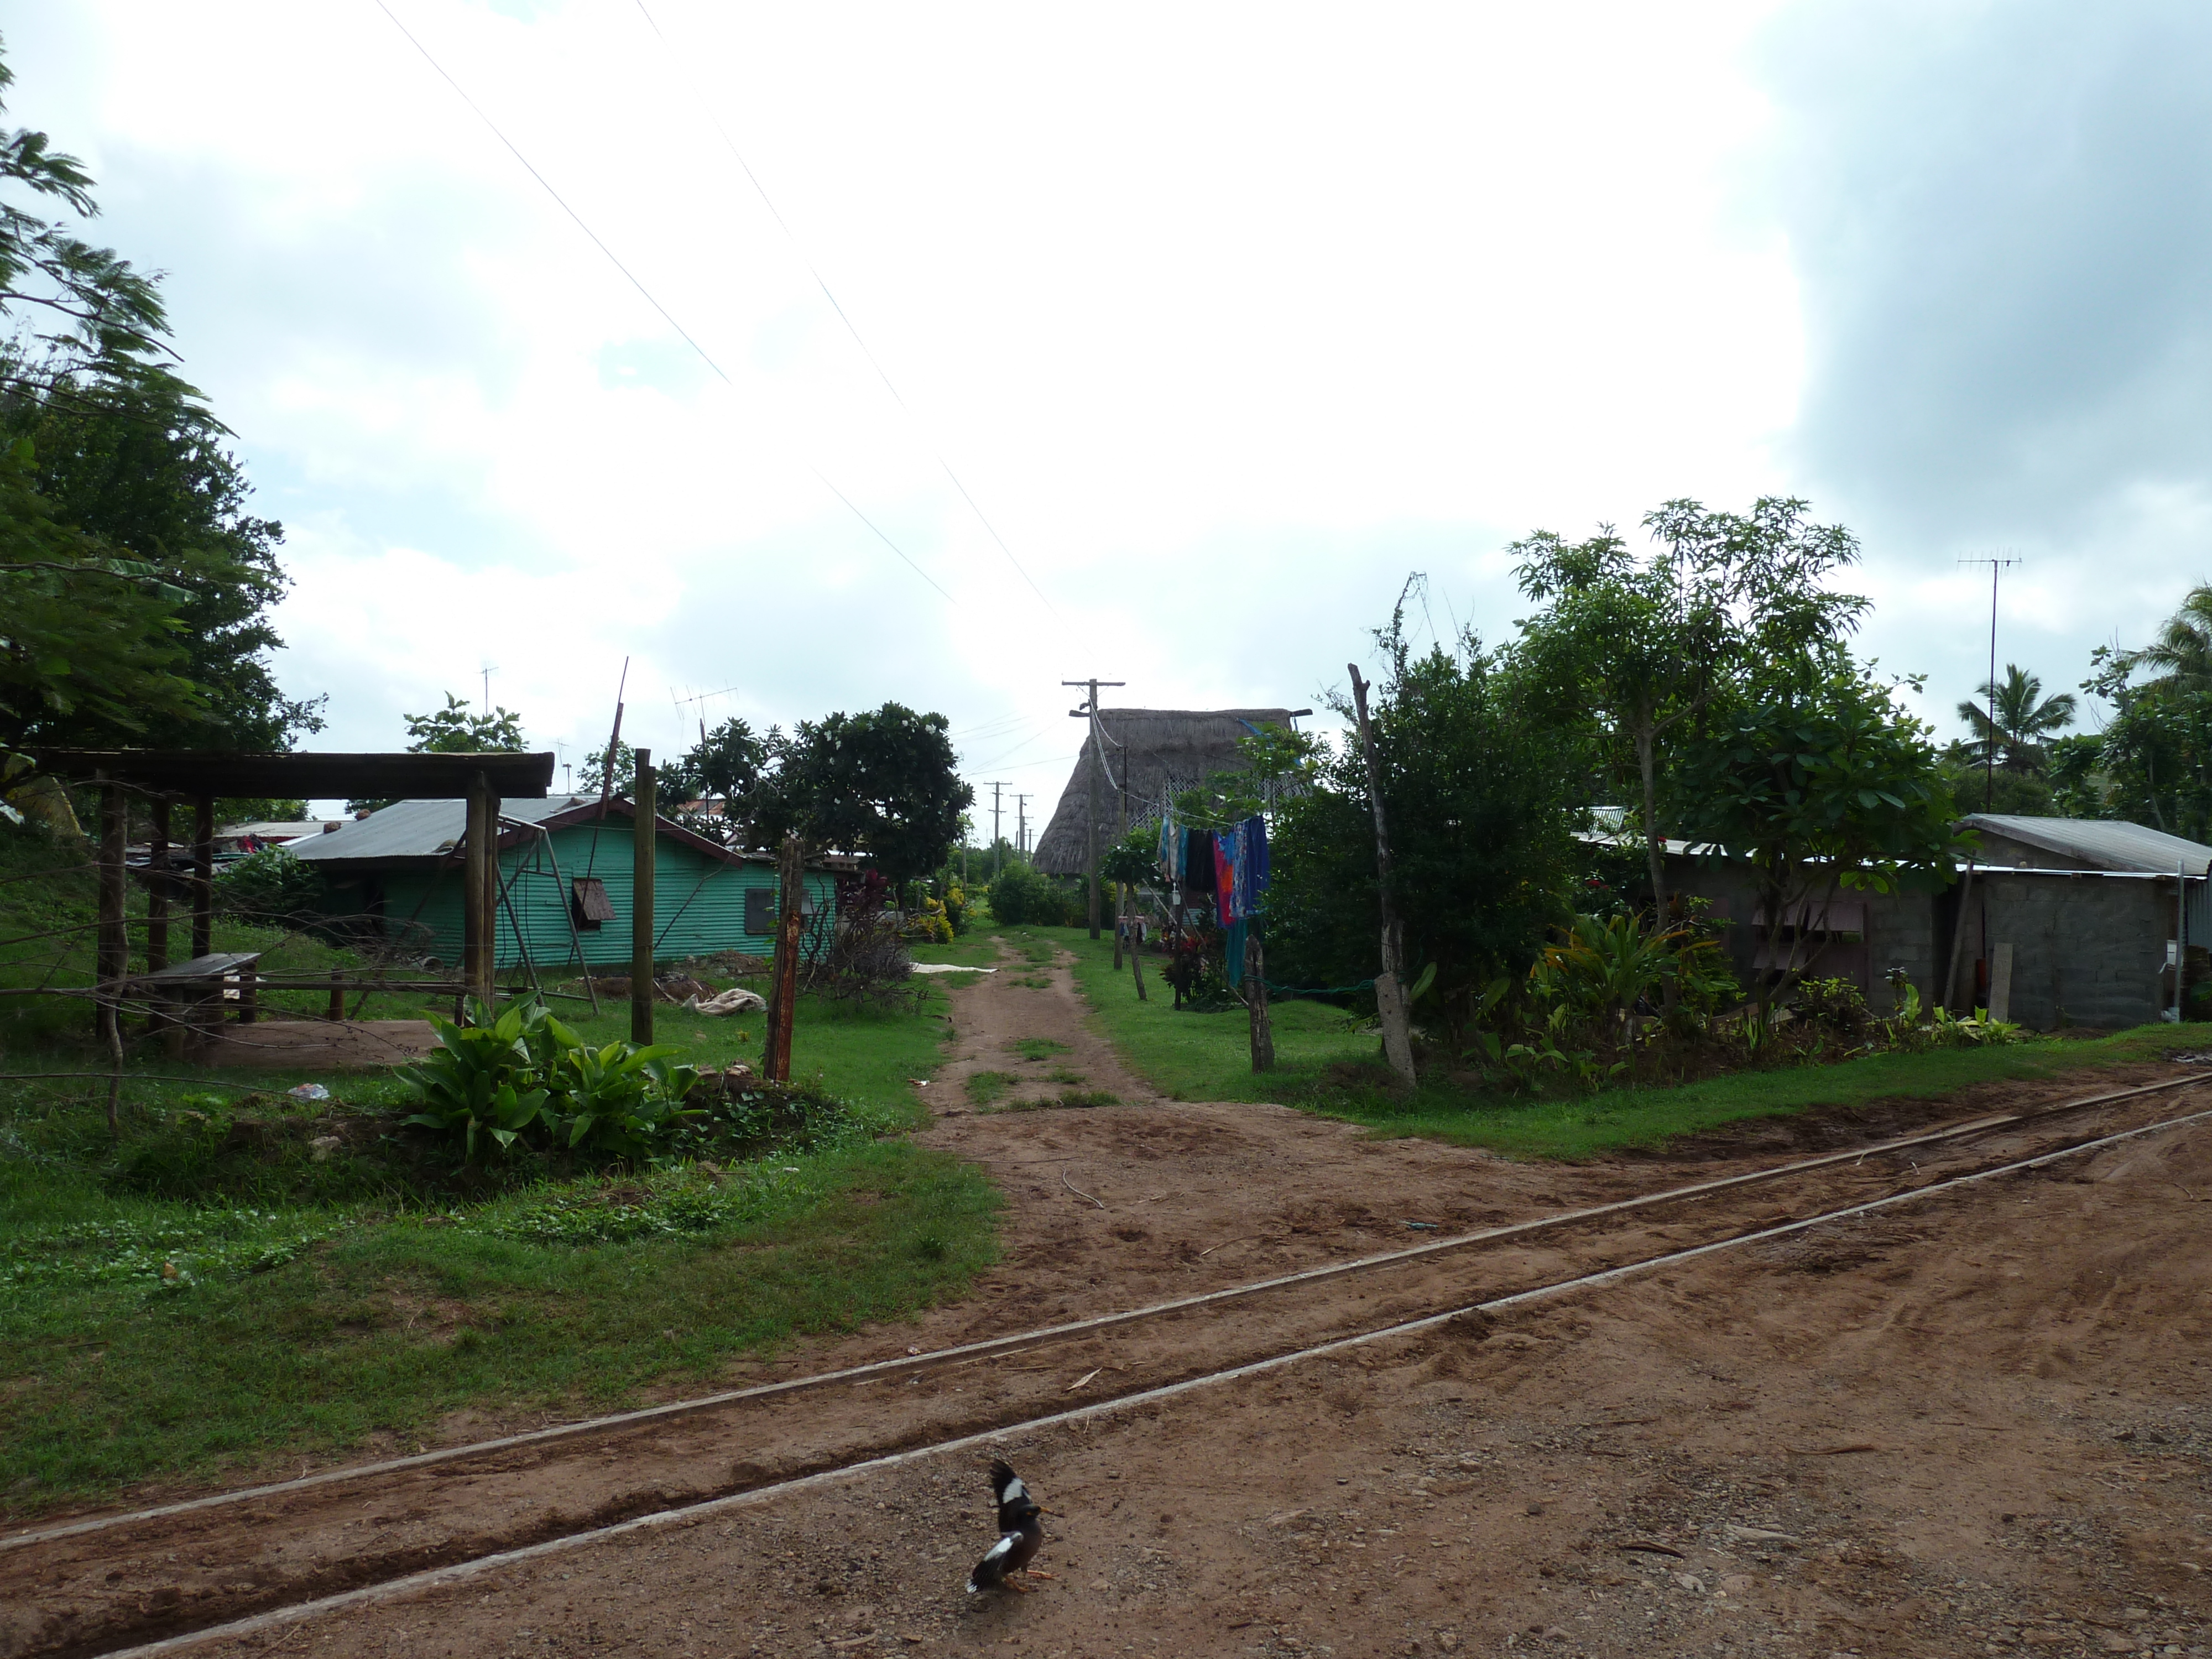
(567, 875)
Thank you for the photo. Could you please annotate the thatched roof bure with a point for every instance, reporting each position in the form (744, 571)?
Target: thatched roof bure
(1162, 750)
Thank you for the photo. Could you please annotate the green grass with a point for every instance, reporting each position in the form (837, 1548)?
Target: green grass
(200, 1301)
(1325, 1067)
(989, 1088)
(1034, 1048)
(383, 1326)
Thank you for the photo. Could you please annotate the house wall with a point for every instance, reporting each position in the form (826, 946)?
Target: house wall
(699, 903)
(2088, 949)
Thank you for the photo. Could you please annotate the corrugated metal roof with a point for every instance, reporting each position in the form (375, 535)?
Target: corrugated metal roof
(421, 829)
(2101, 843)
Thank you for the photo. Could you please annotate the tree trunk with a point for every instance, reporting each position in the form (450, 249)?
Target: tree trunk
(1136, 950)
(1389, 992)
(1655, 846)
(1256, 1004)
(783, 975)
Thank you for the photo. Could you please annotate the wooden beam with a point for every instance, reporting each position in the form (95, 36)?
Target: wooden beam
(312, 776)
(641, 915)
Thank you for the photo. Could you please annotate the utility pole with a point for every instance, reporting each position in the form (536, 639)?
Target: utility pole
(490, 668)
(1021, 825)
(1094, 746)
(995, 788)
(1990, 760)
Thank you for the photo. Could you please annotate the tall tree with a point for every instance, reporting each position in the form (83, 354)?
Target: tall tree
(1647, 643)
(1823, 784)
(114, 446)
(2025, 723)
(1482, 790)
(883, 784)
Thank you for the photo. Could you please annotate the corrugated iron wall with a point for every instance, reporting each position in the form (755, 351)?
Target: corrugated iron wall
(699, 902)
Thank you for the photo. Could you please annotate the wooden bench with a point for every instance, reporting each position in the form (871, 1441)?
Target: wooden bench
(191, 995)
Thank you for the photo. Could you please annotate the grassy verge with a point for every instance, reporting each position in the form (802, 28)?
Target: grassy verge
(1323, 1067)
(224, 1288)
(355, 1326)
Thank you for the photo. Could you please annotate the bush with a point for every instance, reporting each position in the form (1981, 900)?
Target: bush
(1021, 895)
(492, 1082)
(930, 925)
(271, 887)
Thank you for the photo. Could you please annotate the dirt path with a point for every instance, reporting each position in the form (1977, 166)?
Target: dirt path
(1611, 1420)
(1980, 1426)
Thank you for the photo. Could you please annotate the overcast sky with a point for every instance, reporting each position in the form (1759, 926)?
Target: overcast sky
(1226, 319)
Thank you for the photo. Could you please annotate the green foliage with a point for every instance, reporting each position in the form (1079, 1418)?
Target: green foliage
(459, 729)
(885, 784)
(93, 639)
(1638, 646)
(271, 886)
(1024, 896)
(2025, 722)
(929, 924)
(524, 1070)
(1820, 782)
(135, 584)
(1482, 792)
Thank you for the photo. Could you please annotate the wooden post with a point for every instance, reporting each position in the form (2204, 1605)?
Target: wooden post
(479, 850)
(112, 957)
(157, 888)
(1255, 1002)
(203, 875)
(1389, 984)
(783, 975)
(1091, 809)
(1136, 952)
(157, 905)
(338, 996)
(641, 903)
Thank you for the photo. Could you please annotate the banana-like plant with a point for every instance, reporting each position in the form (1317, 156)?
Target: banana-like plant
(479, 1078)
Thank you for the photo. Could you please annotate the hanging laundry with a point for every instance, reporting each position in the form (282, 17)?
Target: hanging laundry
(1170, 844)
(1251, 865)
(1232, 946)
(1224, 881)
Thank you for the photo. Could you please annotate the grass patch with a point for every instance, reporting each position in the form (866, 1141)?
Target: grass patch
(1034, 1048)
(989, 1088)
(1326, 1067)
(1064, 1074)
(306, 1333)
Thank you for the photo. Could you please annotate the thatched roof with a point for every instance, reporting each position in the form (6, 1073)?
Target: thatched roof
(1161, 750)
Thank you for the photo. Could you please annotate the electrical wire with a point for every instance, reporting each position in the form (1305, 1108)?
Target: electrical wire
(821, 283)
(666, 315)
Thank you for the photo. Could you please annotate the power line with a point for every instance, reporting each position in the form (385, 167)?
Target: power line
(667, 316)
(798, 248)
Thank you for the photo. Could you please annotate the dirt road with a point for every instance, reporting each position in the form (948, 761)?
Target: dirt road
(1975, 1424)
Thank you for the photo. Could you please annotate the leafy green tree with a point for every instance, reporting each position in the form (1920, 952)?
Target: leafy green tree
(883, 784)
(459, 729)
(89, 637)
(2026, 720)
(1482, 789)
(136, 461)
(1646, 643)
(1822, 784)
(134, 585)
(2152, 763)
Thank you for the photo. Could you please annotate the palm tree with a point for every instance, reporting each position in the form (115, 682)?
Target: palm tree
(2025, 718)
(2183, 650)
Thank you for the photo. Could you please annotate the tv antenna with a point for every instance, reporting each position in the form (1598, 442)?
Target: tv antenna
(1990, 756)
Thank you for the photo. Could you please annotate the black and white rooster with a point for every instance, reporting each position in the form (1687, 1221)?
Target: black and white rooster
(1020, 1534)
